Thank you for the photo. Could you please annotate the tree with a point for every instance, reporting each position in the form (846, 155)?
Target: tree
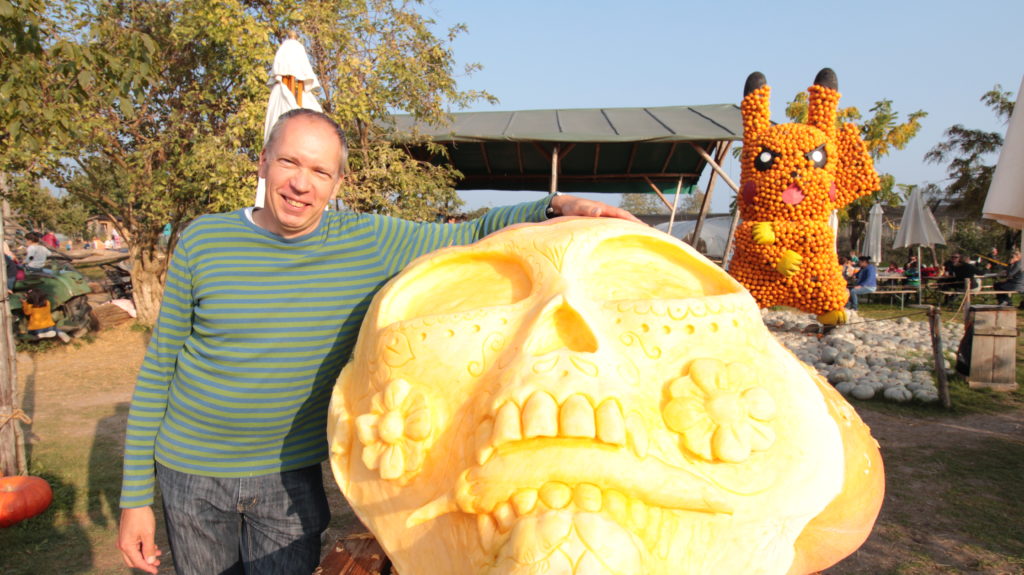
(883, 132)
(966, 151)
(643, 204)
(373, 58)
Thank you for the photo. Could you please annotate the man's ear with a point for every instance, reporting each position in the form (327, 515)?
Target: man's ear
(337, 186)
(262, 171)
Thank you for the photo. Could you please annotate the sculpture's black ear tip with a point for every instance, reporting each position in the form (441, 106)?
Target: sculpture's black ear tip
(827, 78)
(754, 81)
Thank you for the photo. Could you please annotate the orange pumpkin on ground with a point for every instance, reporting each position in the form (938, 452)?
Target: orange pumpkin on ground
(22, 497)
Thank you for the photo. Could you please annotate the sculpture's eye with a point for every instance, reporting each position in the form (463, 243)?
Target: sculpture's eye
(765, 159)
(458, 283)
(818, 156)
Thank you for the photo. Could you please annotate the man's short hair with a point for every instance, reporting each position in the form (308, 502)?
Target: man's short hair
(32, 237)
(314, 115)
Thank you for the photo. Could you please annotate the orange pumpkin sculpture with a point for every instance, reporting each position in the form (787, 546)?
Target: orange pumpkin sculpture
(22, 497)
(793, 176)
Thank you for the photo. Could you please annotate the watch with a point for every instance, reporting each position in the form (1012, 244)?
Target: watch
(550, 211)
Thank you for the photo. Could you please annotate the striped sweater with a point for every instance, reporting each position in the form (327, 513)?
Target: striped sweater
(254, 330)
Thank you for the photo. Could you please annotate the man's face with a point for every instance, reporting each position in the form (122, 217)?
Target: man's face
(302, 167)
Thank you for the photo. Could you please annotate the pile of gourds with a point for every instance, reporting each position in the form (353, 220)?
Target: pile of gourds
(22, 497)
(793, 177)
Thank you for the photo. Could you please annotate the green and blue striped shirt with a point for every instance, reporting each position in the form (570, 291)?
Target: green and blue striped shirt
(253, 332)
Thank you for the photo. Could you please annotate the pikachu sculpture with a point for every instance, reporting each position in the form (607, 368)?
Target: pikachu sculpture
(793, 177)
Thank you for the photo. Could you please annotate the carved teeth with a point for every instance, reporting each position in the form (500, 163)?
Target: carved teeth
(576, 419)
(616, 504)
(555, 495)
(506, 424)
(540, 416)
(524, 501)
(543, 417)
(488, 530)
(505, 516)
(611, 428)
(587, 497)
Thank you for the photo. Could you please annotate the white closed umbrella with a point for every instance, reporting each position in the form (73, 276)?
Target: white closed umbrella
(291, 84)
(1005, 200)
(873, 236)
(918, 227)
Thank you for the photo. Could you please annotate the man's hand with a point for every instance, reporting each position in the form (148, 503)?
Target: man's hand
(564, 205)
(136, 539)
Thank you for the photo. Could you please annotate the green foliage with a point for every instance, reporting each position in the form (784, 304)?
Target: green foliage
(374, 58)
(643, 204)
(967, 152)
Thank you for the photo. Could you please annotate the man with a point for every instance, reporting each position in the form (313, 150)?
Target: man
(260, 312)
(866, 281)
(1014, 281)
(955, 270)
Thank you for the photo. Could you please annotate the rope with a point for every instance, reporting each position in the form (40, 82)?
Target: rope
(17, 414)
(910, 314)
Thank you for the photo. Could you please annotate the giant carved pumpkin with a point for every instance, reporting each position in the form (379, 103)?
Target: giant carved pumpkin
(793, 176)
(592, 397)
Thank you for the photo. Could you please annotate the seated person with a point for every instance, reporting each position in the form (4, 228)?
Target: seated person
(1014, 280)
(866, 281)
(894, 269)
(912, 272)
(955, 271)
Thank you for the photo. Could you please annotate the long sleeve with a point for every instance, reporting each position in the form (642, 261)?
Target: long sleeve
(151, 390)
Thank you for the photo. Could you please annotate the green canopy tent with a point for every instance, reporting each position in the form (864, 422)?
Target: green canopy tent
(605, 150)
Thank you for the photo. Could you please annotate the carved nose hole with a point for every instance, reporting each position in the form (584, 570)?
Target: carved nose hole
(562, 327)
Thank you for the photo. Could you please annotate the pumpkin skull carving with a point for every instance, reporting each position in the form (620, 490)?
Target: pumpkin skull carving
(582, 397)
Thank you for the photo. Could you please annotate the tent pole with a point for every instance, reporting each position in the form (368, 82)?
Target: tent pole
(714, 166)
(723, 149)
(554, 170)
(664, 200)
(920, 276)
(675, 206)
(728, 242)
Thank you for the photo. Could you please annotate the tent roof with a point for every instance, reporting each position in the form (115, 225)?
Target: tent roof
(620, 150)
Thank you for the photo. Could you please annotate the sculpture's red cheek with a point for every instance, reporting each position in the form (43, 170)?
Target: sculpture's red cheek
(748, 190)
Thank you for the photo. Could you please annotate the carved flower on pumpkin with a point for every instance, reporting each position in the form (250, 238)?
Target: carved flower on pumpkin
(395, 431)
(720, 412)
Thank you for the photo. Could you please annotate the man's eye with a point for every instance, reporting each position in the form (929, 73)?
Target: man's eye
(818, 156)
(765, 159)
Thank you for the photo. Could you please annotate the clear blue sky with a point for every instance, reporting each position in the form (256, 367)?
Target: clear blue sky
(937, 56)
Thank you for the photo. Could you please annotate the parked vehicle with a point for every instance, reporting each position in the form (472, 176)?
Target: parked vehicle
(119, 279)
(66, 288)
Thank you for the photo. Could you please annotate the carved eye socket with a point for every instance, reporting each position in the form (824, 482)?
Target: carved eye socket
(458, 283)
(818, 156)
(765, 159)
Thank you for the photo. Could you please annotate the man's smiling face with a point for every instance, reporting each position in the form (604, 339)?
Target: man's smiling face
(302, 167)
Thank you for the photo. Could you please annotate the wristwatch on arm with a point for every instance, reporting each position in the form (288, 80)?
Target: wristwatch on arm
(550, 212)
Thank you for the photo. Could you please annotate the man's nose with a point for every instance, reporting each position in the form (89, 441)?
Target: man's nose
(301, 180)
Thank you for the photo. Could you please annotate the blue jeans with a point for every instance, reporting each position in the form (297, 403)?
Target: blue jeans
(854, 292)
(268, 524)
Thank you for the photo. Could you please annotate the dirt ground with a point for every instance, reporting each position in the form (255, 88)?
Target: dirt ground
(78, 395)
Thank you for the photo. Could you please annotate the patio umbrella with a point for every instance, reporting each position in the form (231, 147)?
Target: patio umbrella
(1005, 200)
(873, 236)
(917, 228)
(291, 84)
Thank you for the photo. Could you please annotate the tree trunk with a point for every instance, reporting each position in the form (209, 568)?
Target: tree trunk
(149, 268)
(856, 232)
(12, 444)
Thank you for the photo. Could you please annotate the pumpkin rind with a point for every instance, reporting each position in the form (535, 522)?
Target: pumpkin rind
(22, 497)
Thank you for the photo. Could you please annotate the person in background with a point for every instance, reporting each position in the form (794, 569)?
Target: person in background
(866, 281)
(35, 253)
(36, 307)
(1014, 281)
(50, 240)
(991, 262)
(11, 263)
(912, 271)
(955, 271)
(894, 269)
(849, 269)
